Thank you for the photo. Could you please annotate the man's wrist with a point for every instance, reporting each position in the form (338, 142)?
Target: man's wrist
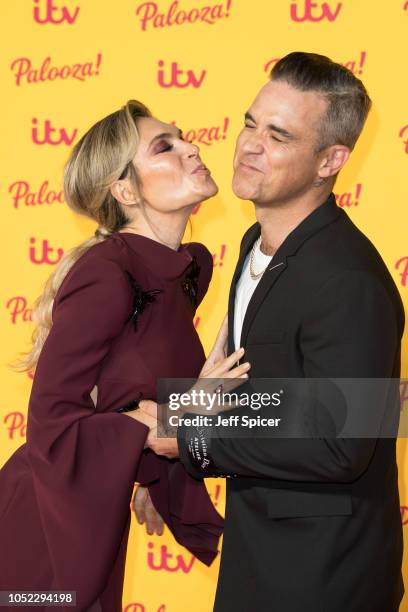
(194, 445)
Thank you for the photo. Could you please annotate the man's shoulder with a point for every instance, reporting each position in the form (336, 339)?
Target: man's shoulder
(341, 250)
(342, 246)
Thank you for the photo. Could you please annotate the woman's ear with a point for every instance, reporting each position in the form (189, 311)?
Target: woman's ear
(333, 160)
(124, 192)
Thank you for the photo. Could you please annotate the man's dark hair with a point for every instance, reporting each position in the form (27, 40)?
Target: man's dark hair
(348, 100)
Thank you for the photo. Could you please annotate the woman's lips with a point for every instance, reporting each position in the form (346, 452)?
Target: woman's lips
(201, 170)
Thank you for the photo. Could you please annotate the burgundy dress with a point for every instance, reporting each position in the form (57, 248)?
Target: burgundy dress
(65, 494)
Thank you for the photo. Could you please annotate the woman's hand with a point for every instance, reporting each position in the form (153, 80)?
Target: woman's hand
(146, 513)
(223, 372)
(218, 365)
(219, 350)
(224, 368)
(156, 439)
(224, 376)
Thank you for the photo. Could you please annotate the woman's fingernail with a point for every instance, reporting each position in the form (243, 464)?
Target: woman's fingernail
(241, 350)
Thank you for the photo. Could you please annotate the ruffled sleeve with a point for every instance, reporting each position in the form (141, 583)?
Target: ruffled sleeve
(83, 462)
(184, 504)
(181, 500)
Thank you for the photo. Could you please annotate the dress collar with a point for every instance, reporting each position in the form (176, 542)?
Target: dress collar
(162, 260)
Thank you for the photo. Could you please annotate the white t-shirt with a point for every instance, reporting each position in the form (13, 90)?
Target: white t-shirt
(245, 288)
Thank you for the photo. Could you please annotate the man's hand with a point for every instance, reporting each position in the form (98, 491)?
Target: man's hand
(146, 513)
(167, 447)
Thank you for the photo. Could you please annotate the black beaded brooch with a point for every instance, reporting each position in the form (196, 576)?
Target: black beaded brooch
(140, 299)
(190, 282)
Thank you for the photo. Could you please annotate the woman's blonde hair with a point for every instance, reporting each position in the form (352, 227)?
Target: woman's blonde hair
(103, 155)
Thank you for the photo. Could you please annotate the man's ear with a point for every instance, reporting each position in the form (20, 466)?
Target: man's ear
(333, 160)
(124, 193)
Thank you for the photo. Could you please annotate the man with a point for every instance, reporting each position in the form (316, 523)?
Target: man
(311, 524)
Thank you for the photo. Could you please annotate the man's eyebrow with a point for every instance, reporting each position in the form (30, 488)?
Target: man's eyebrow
(166, 135)
(285, 133)
(272, 127)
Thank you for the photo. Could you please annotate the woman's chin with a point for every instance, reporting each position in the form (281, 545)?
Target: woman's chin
(204, 194)
(211, 191)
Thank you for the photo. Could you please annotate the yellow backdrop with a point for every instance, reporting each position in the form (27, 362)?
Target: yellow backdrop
(67, 63)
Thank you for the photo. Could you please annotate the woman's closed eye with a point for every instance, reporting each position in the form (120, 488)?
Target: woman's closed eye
(163, 146)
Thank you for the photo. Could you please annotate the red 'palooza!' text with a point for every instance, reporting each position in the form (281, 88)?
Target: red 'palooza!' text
(150, 15)
(25, 72)
(23, 194)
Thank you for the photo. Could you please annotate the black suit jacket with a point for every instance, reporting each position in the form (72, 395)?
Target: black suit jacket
(313, 524)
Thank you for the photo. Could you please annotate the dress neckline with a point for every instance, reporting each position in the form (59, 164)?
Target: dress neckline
(158, 257)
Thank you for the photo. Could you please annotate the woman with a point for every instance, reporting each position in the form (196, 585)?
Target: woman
(116, 315)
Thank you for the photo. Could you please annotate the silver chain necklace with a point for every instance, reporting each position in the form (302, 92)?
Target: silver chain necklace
(255, 275)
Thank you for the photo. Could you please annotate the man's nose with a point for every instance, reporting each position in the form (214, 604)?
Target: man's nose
(252, 143)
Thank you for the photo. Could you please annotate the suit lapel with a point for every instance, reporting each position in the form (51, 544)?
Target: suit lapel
(313, 223)
(252, 234)
(275, 269)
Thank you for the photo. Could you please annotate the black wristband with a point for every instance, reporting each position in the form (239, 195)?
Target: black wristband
(133, 405)
(194, 446)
